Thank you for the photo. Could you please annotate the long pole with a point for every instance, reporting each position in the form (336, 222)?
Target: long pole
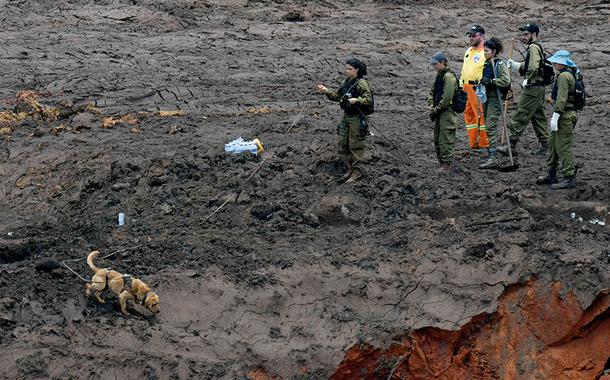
(505, 110)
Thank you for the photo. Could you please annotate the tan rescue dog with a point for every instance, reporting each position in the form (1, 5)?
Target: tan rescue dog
(124, 286)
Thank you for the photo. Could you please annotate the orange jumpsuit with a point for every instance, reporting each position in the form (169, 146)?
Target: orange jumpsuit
(472, 70)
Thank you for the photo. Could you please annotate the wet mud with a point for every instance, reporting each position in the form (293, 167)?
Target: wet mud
(124, 106)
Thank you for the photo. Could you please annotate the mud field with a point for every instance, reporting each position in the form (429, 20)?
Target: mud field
(124, 106)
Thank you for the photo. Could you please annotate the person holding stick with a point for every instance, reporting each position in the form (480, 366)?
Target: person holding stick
(531, 102)
(356, 101)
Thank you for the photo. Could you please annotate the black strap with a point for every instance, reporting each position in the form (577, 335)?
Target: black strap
(127, 280)
(144, 298)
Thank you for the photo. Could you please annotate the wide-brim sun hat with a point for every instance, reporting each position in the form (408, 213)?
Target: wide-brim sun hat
(562, 57)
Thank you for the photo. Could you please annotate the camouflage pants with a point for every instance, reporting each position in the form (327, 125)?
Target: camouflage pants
(351, 141)
(444, 136)
(493, 112)
(530, 108)
(560, 145)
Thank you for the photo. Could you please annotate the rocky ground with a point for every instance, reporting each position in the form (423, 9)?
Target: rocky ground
(124, 106)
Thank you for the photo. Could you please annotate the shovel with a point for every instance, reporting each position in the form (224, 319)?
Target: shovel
(513, 166)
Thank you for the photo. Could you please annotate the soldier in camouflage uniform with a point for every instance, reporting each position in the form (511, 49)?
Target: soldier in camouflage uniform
(531, 102)
(444, 118)
(562, 124)
(353, 96)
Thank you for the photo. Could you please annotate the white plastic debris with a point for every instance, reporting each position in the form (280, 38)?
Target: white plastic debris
(240, 146)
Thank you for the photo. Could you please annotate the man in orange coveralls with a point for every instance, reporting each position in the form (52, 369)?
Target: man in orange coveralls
(472, 72)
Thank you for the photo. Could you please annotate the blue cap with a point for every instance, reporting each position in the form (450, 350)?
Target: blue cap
(562, 57)
(438, 57)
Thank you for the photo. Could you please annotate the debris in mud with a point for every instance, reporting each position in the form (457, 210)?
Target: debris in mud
(109, 122)
(171, 113)
(258, 110)
(239, 145)
(174, 129)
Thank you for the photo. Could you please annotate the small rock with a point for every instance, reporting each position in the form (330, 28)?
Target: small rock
(158, 181)
(166, 208)
(243, 199)
(120, 186)
(175, 129)
(84, 120)
(264, 211)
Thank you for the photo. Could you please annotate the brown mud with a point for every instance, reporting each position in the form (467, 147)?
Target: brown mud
(409, 273)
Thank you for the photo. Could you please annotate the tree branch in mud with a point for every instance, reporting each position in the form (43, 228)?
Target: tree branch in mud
(240, 188)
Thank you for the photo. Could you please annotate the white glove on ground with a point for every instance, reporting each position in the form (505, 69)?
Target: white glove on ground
(514, 65)
(555, 122)
(524, 82)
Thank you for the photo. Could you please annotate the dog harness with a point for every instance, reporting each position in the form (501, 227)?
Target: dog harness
(127, 279)
(106, 280)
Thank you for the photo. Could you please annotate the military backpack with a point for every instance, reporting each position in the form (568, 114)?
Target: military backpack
(580, 95)
(458, 103)
(545, 70)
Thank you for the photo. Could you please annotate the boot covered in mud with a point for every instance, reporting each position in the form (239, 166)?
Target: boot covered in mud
(444, 167)
(548, 179)
(568, 182)
(543, 150)
(504, 148)
(348, 173)
(354, 176)
(490, 163)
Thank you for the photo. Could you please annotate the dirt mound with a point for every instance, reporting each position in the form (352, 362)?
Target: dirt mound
(124, 107)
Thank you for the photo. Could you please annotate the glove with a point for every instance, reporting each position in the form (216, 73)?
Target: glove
(555, 122)
(433, 115)
(513, 65)
(486, 81)
(524, 82)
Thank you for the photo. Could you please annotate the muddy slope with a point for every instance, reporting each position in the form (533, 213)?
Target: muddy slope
(296, 269)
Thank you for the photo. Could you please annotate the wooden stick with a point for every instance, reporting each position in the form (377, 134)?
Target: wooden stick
(295, 120)
(239, 189)
(505, 111)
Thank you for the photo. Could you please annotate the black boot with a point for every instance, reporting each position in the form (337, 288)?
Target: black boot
(548, 179)
(568, 182)
(504, 148)
(543, 150)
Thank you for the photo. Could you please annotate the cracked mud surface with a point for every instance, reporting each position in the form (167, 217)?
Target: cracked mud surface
(299, 269)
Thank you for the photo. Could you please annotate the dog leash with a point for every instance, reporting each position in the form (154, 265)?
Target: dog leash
(104, 257)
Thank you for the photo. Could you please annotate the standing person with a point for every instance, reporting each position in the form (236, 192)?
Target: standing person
(472, 72)
(496, 77)
(531, 102)
(354, 96)
(444, 118)
(562, 124)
